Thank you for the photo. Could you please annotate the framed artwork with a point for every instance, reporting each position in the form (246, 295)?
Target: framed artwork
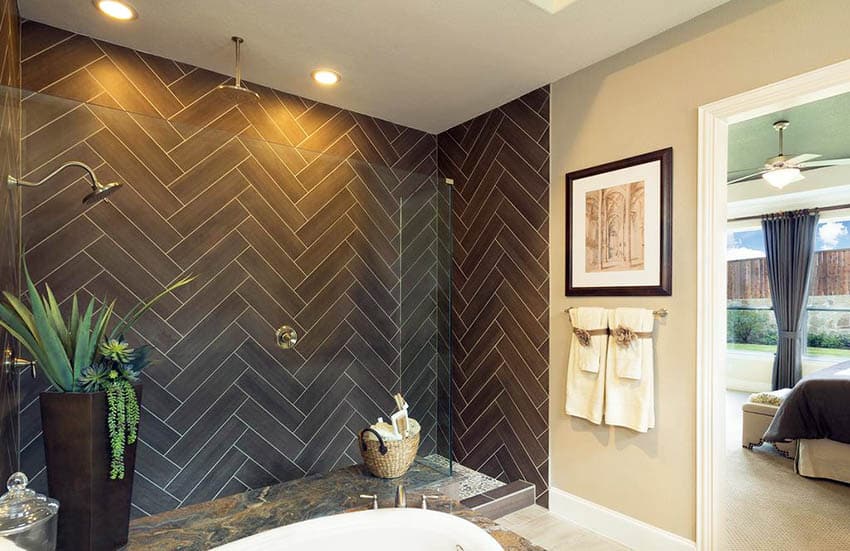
(619, 227)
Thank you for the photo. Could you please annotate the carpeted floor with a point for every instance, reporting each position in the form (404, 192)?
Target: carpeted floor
(769, 507)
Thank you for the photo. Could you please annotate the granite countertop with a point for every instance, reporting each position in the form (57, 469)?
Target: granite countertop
(206, 525)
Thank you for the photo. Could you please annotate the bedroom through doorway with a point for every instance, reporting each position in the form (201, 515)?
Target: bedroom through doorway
(786, 381)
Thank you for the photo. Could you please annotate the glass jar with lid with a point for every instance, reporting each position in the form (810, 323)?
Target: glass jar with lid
(28, 520)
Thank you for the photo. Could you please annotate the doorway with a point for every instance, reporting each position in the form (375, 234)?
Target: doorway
(714, 121)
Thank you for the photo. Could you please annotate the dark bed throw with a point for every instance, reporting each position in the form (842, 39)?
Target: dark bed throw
(818, 407)
(789, 243)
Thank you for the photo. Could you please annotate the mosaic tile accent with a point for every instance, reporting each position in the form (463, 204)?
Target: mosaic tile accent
(463, 483)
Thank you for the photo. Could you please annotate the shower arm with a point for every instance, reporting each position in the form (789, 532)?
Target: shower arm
(238, 69)
(12, 181)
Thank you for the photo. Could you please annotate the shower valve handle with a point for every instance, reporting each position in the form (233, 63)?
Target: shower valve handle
(16, 365)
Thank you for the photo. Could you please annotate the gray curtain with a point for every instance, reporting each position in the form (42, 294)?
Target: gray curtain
(789, 240)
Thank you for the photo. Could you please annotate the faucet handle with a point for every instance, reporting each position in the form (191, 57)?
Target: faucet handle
(425, 500)
(17, 365)
(373, 497)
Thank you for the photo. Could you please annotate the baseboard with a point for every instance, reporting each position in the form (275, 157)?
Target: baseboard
(743, 385)
(632, 533)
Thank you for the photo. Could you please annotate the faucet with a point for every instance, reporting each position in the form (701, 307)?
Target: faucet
(373, 498)
(400, 497)
(425, 500)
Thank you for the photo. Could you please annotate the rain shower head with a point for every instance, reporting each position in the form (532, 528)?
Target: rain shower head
(236, 92)
(99, 191)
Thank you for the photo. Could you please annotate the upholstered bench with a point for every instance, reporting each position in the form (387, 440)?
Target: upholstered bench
(757, 418)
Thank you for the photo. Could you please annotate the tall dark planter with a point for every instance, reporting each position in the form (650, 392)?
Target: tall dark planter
(94, 511)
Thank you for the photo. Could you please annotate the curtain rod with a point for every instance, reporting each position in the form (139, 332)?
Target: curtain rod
(760, 216)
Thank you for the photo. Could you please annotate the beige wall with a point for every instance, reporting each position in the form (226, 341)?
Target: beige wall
(641, 100)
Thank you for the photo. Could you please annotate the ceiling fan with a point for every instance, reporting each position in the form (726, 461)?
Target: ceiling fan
(784, 169)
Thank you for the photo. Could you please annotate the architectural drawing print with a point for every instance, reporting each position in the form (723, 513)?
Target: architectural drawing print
(614, 228)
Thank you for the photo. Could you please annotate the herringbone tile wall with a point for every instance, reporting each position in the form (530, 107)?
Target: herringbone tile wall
(500, 302)
(287, 210)
(10, 98)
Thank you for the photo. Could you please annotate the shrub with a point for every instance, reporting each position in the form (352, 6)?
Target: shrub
(750, 327)
(828, 340)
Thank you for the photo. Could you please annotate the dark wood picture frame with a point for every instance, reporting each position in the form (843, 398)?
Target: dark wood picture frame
(665, 286)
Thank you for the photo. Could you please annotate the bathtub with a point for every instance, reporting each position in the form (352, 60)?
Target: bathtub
(373, 530)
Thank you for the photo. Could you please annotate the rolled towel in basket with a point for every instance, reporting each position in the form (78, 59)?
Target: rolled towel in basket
(389, 458)
(387, 433)
(385, 430)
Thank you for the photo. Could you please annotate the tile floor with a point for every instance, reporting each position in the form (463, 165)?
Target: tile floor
(547, 530)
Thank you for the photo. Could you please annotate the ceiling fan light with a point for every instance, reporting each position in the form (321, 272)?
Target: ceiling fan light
(781, 177)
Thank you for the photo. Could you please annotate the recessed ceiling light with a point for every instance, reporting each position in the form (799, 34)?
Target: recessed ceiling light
(326, 76)
(116, 9)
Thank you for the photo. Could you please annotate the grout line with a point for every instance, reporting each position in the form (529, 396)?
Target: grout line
(200, 415)
(191, 297)
(261, 376)
(213, 467)
(201, 446)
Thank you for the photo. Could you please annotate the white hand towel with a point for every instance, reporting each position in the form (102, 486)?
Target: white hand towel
(585, 379)
(627, 356)
(629, 401)
(589, 319)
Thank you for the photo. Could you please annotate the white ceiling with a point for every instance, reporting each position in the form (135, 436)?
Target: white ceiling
(428, 64)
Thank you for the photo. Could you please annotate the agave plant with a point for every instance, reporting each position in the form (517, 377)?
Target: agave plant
(84, 354)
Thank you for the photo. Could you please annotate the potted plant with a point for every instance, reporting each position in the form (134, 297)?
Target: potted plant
(90, 417)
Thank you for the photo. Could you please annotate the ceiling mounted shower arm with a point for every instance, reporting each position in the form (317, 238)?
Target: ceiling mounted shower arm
(12, 181)
(238, 69)
(238, 92)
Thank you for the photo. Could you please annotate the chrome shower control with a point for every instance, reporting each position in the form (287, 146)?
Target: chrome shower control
(16, 365)
(286, 337)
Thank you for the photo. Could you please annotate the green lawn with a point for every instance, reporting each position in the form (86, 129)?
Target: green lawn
(831, 352)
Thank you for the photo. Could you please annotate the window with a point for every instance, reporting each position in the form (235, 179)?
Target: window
(751, 325)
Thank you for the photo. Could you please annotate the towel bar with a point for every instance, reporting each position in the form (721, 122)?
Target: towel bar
(660, 313)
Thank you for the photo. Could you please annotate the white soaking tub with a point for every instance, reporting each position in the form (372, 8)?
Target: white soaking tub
(373, 530)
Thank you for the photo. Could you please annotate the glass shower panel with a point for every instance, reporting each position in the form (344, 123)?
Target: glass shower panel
(10, 216)
(425, 313)
(316, 238)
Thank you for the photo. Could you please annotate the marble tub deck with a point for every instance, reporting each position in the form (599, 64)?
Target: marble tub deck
(206, 525)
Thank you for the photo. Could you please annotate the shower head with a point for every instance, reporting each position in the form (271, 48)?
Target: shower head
(236, 92)
(99, 191)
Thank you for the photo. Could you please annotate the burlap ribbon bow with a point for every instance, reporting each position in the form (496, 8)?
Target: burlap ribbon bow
(583, 335)
(625, 336)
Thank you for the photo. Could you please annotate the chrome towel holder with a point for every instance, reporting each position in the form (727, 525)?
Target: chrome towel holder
(659, 313)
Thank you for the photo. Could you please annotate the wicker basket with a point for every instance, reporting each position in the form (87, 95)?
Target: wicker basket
(389, 459)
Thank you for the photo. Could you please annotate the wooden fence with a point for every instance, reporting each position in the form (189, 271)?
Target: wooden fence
(831, 276)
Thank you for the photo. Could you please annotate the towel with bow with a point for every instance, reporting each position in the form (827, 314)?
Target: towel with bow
(629, 378)
(588, 348)
(631, 329)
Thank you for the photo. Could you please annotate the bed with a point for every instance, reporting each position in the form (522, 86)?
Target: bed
(816, 414)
